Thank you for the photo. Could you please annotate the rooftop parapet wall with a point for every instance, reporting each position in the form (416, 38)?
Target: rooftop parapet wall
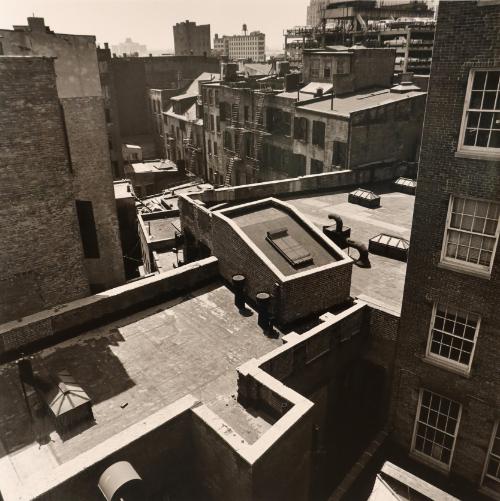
(303, 184)
(47, 326)
(187, 443)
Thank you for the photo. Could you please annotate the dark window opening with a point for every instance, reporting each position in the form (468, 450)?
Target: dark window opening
(316, 166)
(318, 134)
(339, 154)
(88, 229)
(289, 248)
(107, 113)
(300, 128)
(278, 121)
(246, 113)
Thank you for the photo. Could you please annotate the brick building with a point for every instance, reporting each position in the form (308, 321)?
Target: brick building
(447, 407)
(79, 90)
(130, 81)
(344, 115)
(191, 40)
(250, 46)
(183, 128)
(41, 255)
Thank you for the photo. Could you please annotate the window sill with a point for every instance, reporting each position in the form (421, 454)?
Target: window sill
(430, 462)
(478, 155)
(459, 268)
(442, 364)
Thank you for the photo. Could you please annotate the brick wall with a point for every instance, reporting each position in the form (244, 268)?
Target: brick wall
(466, 37)
(93, 181)
(46, 327)
(39, 232)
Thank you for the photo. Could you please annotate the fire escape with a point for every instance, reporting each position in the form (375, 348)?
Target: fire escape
(192, 151)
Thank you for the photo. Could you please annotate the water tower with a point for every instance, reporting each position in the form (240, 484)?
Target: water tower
(245, 29)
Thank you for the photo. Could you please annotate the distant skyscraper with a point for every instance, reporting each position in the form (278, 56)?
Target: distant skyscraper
(130, 48)
(192, 40)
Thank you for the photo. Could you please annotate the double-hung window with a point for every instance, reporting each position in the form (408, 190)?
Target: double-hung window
(452, 337)
(436, 428)
(481, 120)
(491, 474)
(472, 230)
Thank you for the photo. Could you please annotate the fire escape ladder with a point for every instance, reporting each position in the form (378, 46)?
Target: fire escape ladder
(235, 112)
(229, 172)
(259, 109)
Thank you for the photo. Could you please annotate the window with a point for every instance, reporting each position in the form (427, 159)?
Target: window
(216, 97)
(471, 232)
(218, 123)
(315, 68)
(327, 72)
(481, 120)
(248, 147)
(107, 114)
(453, 336)
(318, 134)
(300, 128)
(316, 166)
(339, 156)
(436, 427)
(288, 247)
(211, 96)
(215, 148)
(224, 111)
(491, 474)
(246, 113)
(212, 123)
(209, 147)
(88, 232)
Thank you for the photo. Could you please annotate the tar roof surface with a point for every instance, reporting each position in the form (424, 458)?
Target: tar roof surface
(164, 228)
(158, 166)
(384, 281)
(257, 222)
(192, 344)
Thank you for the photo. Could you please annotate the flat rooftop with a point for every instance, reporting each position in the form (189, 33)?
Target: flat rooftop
(256, 222)
(350, 103)
(164, 228)
(345, 105)
(384, 281)
(133, 367)
(154, 166)
(169, 198)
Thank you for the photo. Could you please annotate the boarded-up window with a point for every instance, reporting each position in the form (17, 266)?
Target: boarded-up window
(88, 230)
(288, 247)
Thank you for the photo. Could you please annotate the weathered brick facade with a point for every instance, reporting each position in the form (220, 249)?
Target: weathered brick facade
(41, 258)
(79, 89)
(466, 38)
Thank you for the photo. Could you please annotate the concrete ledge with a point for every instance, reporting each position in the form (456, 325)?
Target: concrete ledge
(75, 317)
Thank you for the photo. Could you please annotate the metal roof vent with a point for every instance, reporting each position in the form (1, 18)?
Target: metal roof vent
(389, 246)
(366, 198)
(406, 185)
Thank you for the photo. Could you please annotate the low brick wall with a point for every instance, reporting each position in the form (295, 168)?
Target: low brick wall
(46, 326)
(314, 182)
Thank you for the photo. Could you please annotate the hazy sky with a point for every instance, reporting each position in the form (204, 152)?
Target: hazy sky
(150, 21)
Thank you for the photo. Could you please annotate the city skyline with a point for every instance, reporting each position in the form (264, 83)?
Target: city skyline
(150, 22)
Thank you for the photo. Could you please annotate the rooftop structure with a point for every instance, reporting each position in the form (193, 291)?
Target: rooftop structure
(130, 48)
(153, 176)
